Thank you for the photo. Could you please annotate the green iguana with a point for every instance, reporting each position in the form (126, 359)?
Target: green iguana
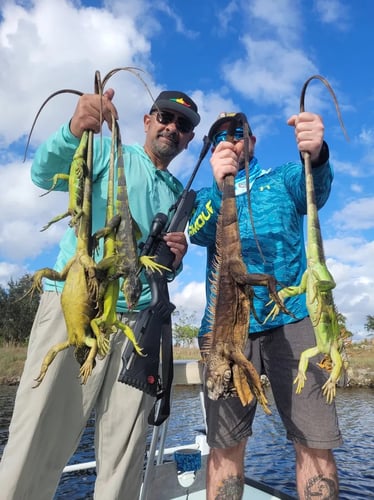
(79, 297)
(318, 284)
(120, 259)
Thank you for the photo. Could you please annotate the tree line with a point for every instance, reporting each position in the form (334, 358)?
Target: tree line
(18, 307)
(17, 311)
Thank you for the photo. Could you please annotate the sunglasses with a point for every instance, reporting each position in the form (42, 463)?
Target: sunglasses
(222, 136)
(183, 125)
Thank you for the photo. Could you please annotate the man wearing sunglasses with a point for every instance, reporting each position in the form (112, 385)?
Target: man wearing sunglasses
(49, 420)
(278, 204)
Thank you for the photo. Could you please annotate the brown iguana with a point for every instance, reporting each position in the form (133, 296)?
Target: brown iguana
(227, 368)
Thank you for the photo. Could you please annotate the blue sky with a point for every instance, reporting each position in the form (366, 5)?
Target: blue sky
(248, 55)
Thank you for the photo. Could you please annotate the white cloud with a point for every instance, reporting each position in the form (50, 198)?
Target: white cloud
(226, 14)
(10, 272)
(349, 261)
(23, 213)
(366, 137)
(189, 298)
(271, 73)
(55, 45)
(348, 168)
(357, 188)
(333, 12)
(356, 215)
(281, 20)
(180, 26)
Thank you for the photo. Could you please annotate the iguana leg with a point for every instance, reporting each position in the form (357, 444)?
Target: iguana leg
(130, 335)
(241, 385)
(75, 216)
(322, 277)
(329, 388)
(55, 219)
(99, 328)
(289, 291)
(108, 322)
(147, 261)
(50, 356)
(253, 379)
(256, 279)
(87, 367)
(46, 272)
(55, 179)
(303, 365)
(102, 326)
(74, 212)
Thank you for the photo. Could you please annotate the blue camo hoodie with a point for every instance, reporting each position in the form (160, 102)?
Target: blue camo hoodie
(150, 191)
(278, 203)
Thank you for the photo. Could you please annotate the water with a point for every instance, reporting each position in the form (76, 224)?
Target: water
(269, 455)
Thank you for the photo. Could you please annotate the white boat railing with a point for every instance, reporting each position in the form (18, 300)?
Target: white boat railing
(186, 372)
(162, 479)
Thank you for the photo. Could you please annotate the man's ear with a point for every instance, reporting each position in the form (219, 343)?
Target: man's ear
(146, 120)
(192, 136)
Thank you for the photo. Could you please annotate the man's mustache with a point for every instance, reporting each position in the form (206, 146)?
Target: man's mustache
(172, 136)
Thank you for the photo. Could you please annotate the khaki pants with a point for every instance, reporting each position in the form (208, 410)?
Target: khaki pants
(48, 421)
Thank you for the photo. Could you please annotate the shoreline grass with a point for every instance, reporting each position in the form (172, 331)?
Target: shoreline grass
(12, 359)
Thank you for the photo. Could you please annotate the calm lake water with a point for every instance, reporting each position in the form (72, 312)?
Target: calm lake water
(269, 456)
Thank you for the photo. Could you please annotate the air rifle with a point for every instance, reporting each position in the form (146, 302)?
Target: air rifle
(152, 328)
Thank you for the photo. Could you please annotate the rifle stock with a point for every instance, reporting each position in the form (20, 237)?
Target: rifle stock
(143, 372)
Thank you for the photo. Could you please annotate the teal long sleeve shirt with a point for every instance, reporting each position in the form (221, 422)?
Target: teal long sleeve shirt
(150, 191)
(278, 203)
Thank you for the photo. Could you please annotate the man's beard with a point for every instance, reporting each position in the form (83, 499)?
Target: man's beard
(242, 161)
(166, 150)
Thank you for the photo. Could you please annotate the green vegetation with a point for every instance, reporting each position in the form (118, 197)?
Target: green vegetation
(361, 355)
(184, 333)
(12, 359)
(18, 308)
(186, 353)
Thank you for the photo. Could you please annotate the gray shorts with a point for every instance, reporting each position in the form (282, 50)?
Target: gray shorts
(308, 419)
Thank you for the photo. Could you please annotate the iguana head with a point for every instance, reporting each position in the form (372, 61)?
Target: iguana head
(131, 288)
(218, 378)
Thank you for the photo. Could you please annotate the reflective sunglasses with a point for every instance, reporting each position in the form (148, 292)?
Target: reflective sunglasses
(222, 136)
(183, 125)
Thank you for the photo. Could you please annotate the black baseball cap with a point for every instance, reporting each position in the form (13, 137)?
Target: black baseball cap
(177, 101)
(223, 118)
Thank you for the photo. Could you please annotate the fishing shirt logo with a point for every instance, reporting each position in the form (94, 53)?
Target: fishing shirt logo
(201, 219)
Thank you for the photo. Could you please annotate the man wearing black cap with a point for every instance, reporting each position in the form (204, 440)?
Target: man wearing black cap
(274, 244)
(48, 421)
